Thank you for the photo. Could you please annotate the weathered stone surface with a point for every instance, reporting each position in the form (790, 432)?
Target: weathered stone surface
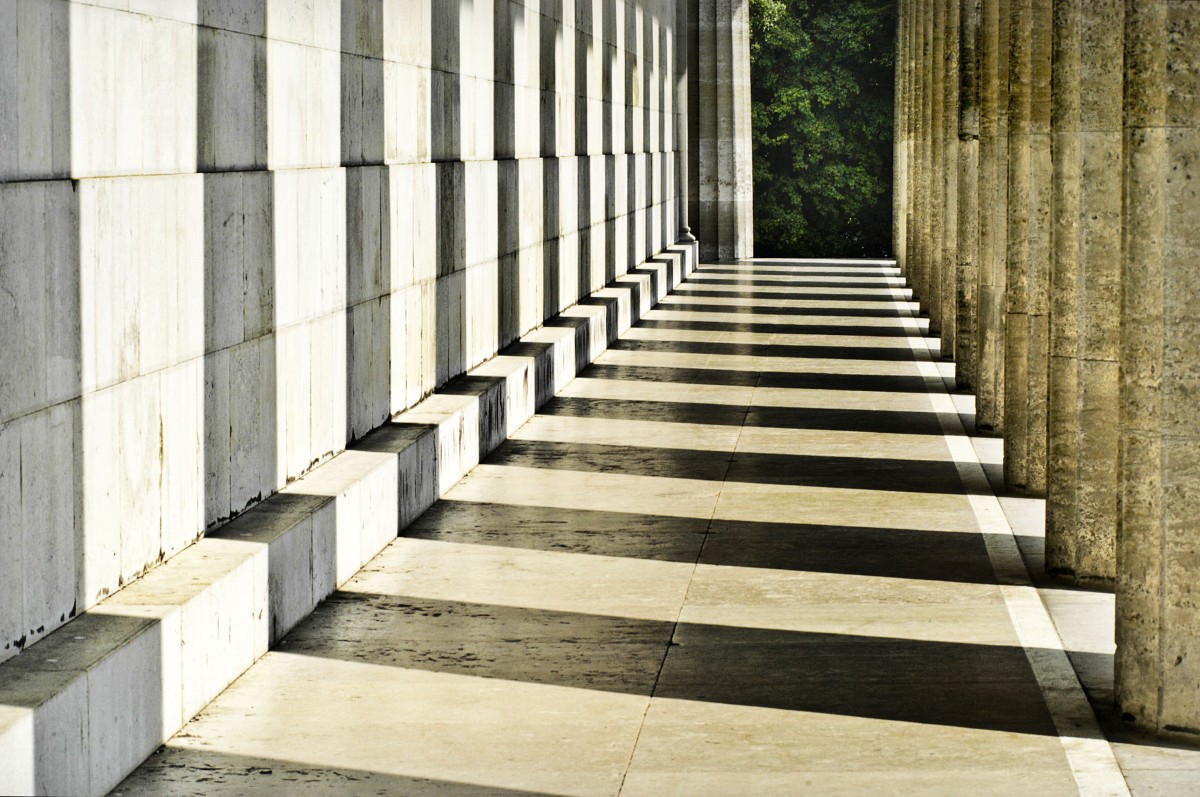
(995, 36)
(966, 295)
(1081, 509)
(1030, 188)
(1158, 627)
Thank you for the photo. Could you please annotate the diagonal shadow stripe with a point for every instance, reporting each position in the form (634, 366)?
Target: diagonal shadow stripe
(796, 352)
(854, 330)
(792, 294)
(929, 682)
(935, 556)
(809, 470)
(792, 381)
(849, 420)
(827, 312)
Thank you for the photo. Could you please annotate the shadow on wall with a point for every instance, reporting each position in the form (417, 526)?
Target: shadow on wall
(42, 527)
(241, 361)
(450, 203)
(369, 216)
(508, 54)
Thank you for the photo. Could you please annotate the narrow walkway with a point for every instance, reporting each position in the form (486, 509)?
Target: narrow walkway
(735, 556)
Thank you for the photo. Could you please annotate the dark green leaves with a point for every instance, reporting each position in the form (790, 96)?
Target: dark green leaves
(822, 114)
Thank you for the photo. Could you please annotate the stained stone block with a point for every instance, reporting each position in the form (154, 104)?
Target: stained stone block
(252, 422)
(481, 314)
(133, 93)
(309, 243)
(181, 456)
(141, 265)
(35, 132)
(238, 16)
(232, 96)
(406, 105)
(39, 283)
(303, 101)
(43, 728)
(481, 202)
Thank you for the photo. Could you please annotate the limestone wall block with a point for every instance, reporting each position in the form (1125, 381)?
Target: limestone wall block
(252, 427)
(35, 113)
(303, 105)
(39, 296)
(132, 93)
(141, 267)
(309, 243)
(42, 756)
(232, 99)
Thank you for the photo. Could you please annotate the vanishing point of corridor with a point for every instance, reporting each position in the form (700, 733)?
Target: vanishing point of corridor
(749, 551)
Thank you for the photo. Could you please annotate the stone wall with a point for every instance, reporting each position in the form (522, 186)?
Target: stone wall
(236, 235)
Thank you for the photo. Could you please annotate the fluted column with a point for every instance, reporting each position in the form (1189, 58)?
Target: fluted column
(937, 163)
(947, 288)
(1081, 507)
(724, 222)
(966, 298)
(1158, 557)
(900, 139)
(994, 40)
(926, 195)
(1027, 339)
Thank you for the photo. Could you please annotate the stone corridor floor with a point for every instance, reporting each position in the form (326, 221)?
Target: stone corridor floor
(750, 551)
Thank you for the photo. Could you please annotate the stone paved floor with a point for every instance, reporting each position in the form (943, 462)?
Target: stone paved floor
(749, 551)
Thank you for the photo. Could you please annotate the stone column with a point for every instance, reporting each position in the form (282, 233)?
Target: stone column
(947, 289)
(937, 164)
(726, 182)
(924, 77)
(1030, 183)
(915, 223)
(1081, 506)
(966, 299)
(683, 127)
(1158, 554)
(993, 219)
(900, 139)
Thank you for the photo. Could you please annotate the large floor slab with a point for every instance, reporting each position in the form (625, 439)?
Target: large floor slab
(745, 552)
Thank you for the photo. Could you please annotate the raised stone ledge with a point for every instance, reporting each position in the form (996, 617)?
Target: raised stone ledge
(83, 707)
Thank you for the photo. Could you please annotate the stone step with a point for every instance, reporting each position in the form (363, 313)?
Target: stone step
(121, 678)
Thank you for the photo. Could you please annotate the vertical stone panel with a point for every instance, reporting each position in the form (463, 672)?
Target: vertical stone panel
(1158, 622)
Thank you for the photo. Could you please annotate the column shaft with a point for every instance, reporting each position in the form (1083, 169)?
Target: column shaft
(937, 164)
(994, 39)
(947, 289)
(1081, 507)
(966, 298)
(900, 139)
(725, 179)
(1158, 556)
(1026, 360)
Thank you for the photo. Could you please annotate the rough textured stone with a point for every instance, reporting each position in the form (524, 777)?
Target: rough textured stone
(1158, 627)
(1081, 509)
(995, 35)
(1030, 184)
(966, 295)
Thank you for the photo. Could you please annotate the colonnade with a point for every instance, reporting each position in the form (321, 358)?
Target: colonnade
(1048, 217)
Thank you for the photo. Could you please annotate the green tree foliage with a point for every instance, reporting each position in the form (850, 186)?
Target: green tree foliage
(821, 74)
